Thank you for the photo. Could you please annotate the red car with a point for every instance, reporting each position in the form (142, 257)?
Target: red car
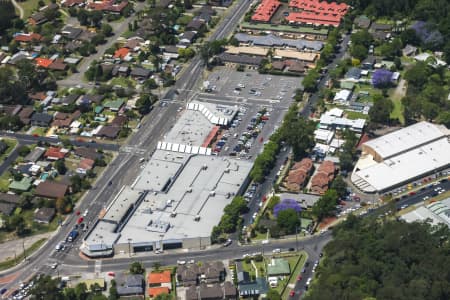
(112, 274)
(80, 220)
(77, 213)
(299, 278)
(292, 293)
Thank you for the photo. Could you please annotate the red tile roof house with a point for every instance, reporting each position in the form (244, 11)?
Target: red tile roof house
(159, 283)
(298, 174)
(51, 189)
(85, 165)
(317, 13)
(321, 180)
(265, 10)
(108, 6)
(55, 153)
(121, 53)
(28, 37)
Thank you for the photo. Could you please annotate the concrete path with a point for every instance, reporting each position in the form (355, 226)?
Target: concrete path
(19, 8)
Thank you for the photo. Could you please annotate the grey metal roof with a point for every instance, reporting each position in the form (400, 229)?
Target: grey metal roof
(272, 41)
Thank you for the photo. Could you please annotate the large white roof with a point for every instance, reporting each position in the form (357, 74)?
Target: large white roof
(407, 138)
(403, 167)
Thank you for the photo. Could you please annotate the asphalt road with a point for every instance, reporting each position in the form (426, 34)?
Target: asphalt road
(123, 169)
(27, 139)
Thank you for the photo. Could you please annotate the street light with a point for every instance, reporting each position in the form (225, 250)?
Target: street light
(129, 247)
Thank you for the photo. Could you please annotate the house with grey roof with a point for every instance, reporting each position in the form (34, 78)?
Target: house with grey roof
(41, 119)
(129, 285)
(35, 154)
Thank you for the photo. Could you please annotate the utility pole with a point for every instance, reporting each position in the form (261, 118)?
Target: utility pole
(23, 247)
(129, 247)
(296, 238)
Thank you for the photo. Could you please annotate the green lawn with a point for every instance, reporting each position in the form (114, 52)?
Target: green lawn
(11, 144)
(355, 115)
(397, 113)
(123, 82)
(41, 131)
(4, 181)
(29, 6)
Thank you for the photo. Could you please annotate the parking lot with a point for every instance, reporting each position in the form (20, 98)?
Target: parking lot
(262, 101)
(252, 85)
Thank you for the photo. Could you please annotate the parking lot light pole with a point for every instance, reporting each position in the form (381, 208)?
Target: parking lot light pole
(129, 247)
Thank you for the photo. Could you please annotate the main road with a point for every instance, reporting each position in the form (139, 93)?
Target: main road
(123, 169)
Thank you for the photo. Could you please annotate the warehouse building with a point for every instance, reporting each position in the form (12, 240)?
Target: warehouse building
(401, 157)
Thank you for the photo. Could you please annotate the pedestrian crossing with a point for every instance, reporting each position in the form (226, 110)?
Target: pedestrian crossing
(135, 150)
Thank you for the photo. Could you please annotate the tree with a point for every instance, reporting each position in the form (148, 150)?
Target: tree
(137, 268)
(164, 297)
(417, 75)
(60, 166)
(359, 51)
(187, 4)
(381, 110)
(310, 81)
(340, 186)
(368, 259)
(75, 182)
(273, 294)
(23, 150)
(7, 14)
(144, 104)
(382, 78)
(326, 205)
(288, 220)
(113, 295)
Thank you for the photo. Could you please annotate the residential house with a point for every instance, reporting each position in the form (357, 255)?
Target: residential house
(139, 73)
(134, 43)
(114, 105)
(85, 165)
(71, 3)
(90, 99)
(409, 50)
(254, 288)
(44, 215)
(58, 65)
(212, 272)
(298, 174)
(35, 154)
(159, 282)
(353, 74)
(71, 33)
(380, 31)
(323, 177)
(51, 189)
(37, 18)
(278, 267)
(22, 185)
(187, 37)
(369, 63)
(55, 153)
(121, 53)
(69, 99)
(89, 153)
(156, 291)
(120, 70)
(342, 96)
(10, 198)
(130, 285)
(348, 85)
(41, 119)
(362, 22)
(213, 292)
(197, 25)
(229, 291)
(188, 275)
(119, 121)
(7, 209)
(28, 37)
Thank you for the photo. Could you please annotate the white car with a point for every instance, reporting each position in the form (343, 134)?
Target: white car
(54, 265)
(278, 250)
(85, 213)
(181, 262)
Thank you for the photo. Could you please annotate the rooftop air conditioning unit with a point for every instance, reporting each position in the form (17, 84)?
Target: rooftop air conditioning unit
(212, 193)
(173, 214)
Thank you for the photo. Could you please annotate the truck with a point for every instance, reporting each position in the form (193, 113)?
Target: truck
(72, 235)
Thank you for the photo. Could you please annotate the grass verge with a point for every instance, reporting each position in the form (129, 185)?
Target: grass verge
(12, 262)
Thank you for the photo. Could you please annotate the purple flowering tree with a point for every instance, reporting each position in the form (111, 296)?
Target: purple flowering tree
(382, 78)
(286, 204)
